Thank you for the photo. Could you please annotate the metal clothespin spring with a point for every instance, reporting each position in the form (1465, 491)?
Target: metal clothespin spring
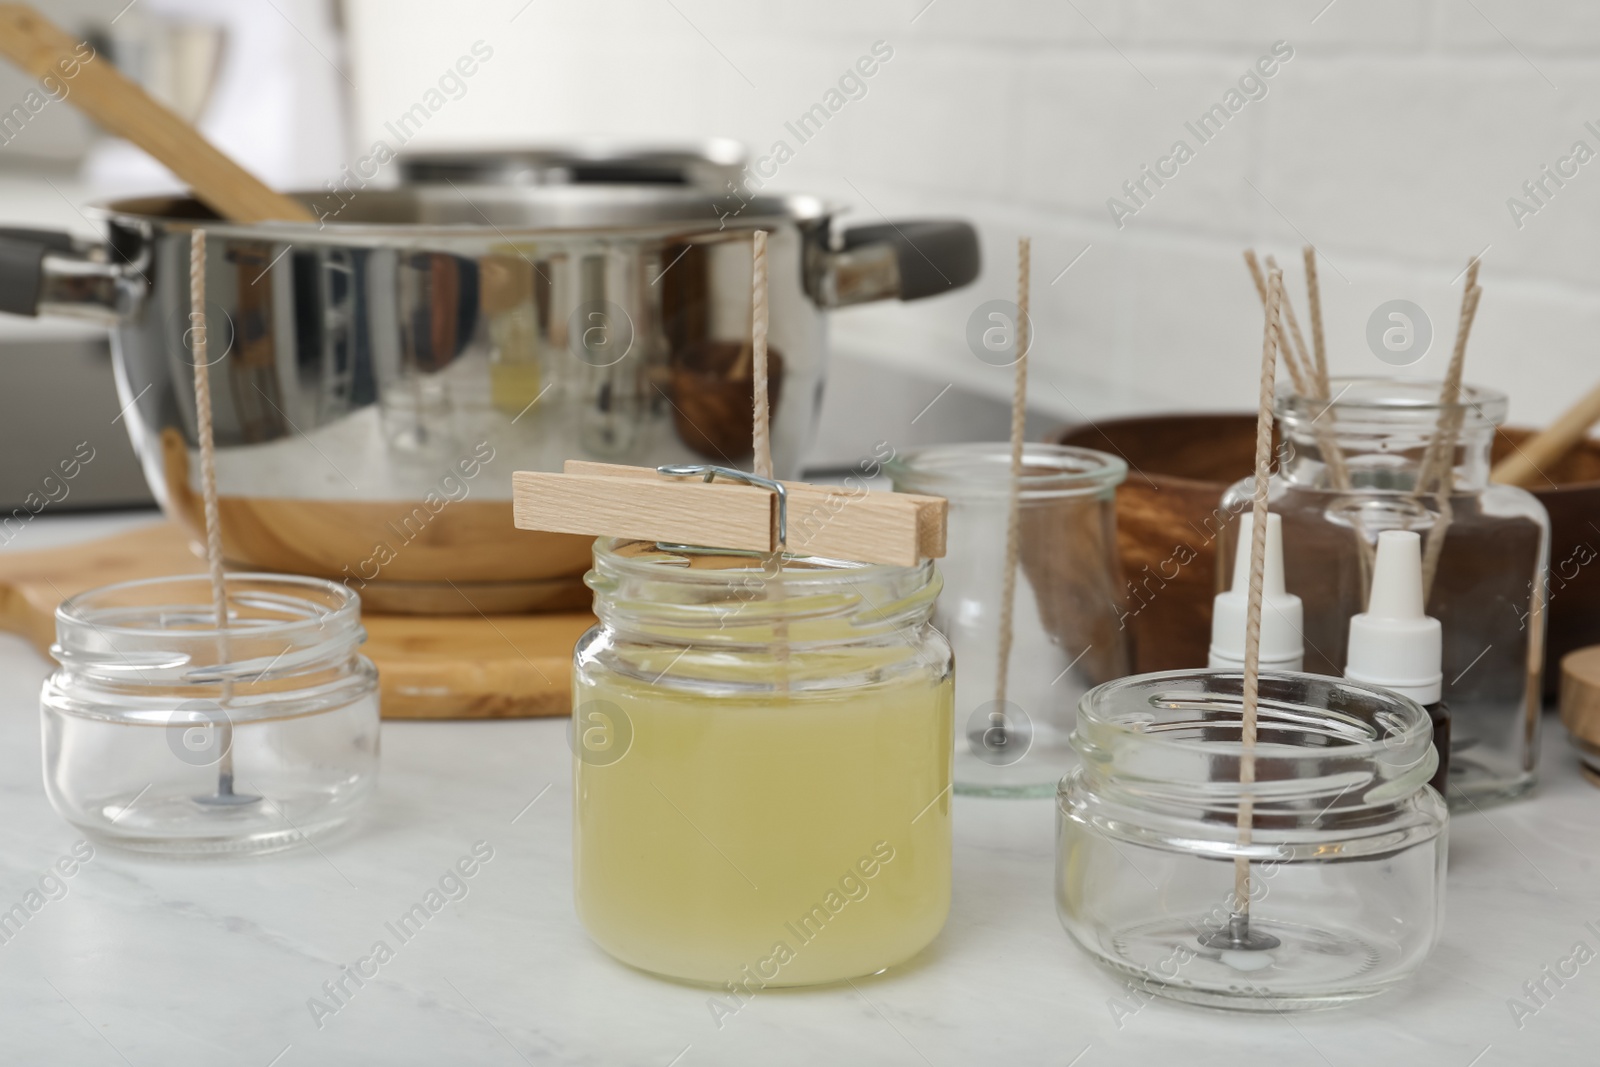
(709, 472)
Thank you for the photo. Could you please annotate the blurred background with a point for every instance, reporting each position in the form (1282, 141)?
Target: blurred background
(1395, 135)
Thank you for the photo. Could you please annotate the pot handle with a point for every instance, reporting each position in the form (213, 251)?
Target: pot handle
(48, 271)
(909, 260)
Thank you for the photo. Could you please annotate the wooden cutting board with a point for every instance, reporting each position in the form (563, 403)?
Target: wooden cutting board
(429, 666)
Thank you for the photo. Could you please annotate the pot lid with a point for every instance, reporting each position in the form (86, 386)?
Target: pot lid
(709, 164)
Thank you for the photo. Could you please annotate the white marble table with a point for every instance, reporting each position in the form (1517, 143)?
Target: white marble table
(170, 963)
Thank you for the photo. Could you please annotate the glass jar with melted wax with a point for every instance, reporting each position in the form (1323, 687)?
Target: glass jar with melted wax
(762, 765)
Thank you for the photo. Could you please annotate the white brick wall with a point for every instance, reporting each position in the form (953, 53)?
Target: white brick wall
(1392, 139)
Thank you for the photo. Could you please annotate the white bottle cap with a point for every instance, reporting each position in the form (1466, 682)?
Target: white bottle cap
(1282, 637)
(1393, 643)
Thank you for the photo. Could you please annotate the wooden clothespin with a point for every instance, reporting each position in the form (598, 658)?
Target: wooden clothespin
(689, 505)
(745, 512)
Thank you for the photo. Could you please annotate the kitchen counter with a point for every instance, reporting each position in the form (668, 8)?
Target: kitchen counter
(169, 963)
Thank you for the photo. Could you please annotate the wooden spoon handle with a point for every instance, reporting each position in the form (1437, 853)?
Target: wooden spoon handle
(1526, 465)
(122, 108)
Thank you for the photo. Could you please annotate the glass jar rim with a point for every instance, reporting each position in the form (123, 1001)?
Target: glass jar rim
(982, 470)
(89, 608)
(694, 594)
(1122, 709)
(1352, 399)
(801, 572)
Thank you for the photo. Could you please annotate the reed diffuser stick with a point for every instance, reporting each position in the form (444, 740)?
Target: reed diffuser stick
(1240, 921)
(208, 490)
(1338, 472)
(1019, 406)
(1319, 348)
(1304, 382)
(1312, 383)
(1438, 462)
(1302, 351)
(1434, 460)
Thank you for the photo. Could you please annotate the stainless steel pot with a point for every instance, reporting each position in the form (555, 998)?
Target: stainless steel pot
(377, 377)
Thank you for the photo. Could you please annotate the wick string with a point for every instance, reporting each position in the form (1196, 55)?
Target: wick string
(1258, 560)
(208, 486)
(1019, 405)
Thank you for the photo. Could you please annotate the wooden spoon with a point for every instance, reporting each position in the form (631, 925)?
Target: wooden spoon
(1526, 464)
(120, 107)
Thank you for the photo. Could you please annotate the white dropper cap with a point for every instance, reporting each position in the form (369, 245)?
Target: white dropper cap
(1393, 643)
(1282, 638)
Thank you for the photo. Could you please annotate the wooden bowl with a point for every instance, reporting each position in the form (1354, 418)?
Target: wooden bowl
(1167, 522)
(1570, 492)
(402, 557)
(1180, 465)
(713, 405)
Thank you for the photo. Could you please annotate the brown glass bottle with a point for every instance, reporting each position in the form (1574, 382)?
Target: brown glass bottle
(1439, 715)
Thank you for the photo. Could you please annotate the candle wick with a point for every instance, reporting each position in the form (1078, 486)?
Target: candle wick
(225, 794)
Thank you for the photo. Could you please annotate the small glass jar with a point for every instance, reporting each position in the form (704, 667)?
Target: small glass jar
(1493, 559)
(1068, 622)
(1346, 850)
(762, 766)
(160, 738)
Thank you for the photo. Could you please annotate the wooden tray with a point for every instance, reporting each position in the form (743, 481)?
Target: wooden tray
(469, 666)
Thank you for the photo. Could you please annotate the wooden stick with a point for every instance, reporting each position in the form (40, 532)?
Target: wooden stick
(1319, 348)
(120, 107)
(760, 430)
(1526, 465)
(205, 429)
(1019, 413)
(1258, 563)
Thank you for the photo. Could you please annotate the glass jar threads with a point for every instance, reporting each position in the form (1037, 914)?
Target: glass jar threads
(762, 765)
(160, 738)
(1486, 587)
(1344, 895)
(1068, 619)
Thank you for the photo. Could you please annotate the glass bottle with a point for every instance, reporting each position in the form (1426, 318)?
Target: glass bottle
(1487, 591)
(1345, 887)
(160, 738)
(762, 766)
(1068, 622)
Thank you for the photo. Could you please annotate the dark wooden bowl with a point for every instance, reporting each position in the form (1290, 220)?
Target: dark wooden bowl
(713, 409)
(1167, 522)
(1570, 492)
(1180, 465)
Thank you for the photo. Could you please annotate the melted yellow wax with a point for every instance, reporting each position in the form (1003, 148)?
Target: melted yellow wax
(771, 838)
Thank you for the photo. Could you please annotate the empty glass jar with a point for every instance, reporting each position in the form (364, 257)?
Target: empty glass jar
(160, 738)
(1492, 564)
(1067, 620)
(1345, 886)
(762, 766)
